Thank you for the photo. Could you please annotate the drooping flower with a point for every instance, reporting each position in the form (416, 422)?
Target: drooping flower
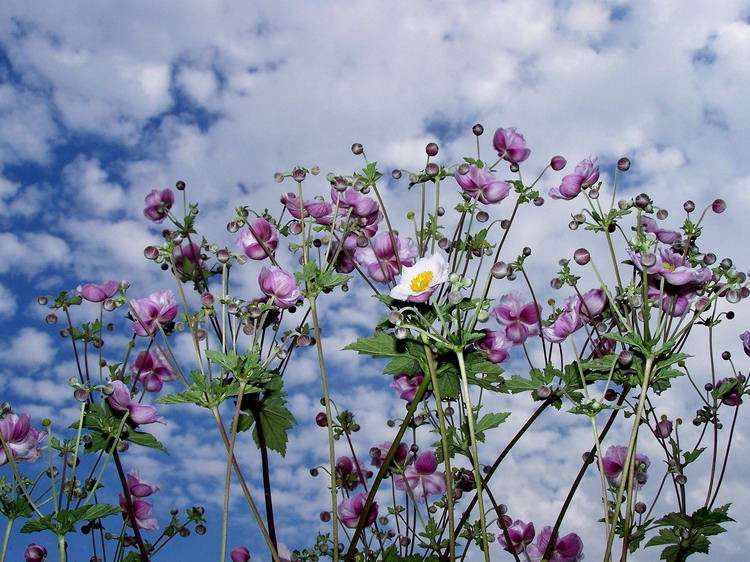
(344, 258)
(187, 253)
(379, 258)
(497, 346)
(98, 293)
(258, 233)
(745, 338)
(143, 511)
(591, 304)
(422, 477)
(614, 461)
(154, 312)
(567, 549)
(406, 386)
(420, 280)
(158, 204)
(316, 208)
(564, 325)
(351, 473)
(510, 145)
(35, 553)
(602, 346)
(730, 396)
(138, 487)
(378, 454)
(240, 554)
(280, 285)
(350, 198)
(350, 510)
(480, 184)
(152, 370)
(520, 319)
(121, 401)
(22, 439)
(664, 429)
(586, 174)
(520, 534)
(664, 236)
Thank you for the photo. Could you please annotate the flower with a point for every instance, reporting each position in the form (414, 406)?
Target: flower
(564, 325)
(350, 510)
(98, 293)
(158, 204)
(664, 429)
(420, 280)
(187, 252)
(35, 553)
(350, 198)
(591, 304)
(496, 345)
(520, 319)
(567, 549)
(422, 478)
(674, 269)
(344, 258)
(482, 185)
(510, 146)
(745, 338)
(317, 208)
(121, 401)
(351, 473)
(406, 386)
(279, 285)
(256, 235)
(22, 439)
(380, 259)
(664, 236)
(240, 554)
(378, 454)
(520, 534)
(152, 370)
(153, 312)
(138, 487)
(142, 509)
(586, 174)
(732, 394)
(614, 461)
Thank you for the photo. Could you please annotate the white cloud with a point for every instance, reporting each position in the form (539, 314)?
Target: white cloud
(30, 348)
(8, 304)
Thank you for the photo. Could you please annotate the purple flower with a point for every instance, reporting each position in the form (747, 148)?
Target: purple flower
(422, 478)
(258, 233)
(674, 269)
(482, 185)
(602, 346)
(152, 370)
(407, 386)
(510, 146)
(673, 300)
(154, 312)
(318, 209)
(22, 439)
(380, 259)
(567, 549)
(344, 258)
(350, 198)
(98, 293)
(520, 533)
(520, 319)
(143, 511)
(189, 252)
(35, 553)
(591, 305)
(279, 285)
(614, 461)
(351, 473)
(664, 429)
(496, 345)
(664, 236)
(564, 325)
(138, 487)
(158, 204)
(585, 175)
(378, 454)
(732, 395)
(351, 509)
(121, 401)
(240, 554)
(745, 338)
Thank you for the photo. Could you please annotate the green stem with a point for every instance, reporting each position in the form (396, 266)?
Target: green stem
(61, 547)
(6, 538)
(475, 450)
(228, 473)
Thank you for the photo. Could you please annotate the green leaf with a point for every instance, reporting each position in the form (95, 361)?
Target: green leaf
(276, 420)
(145, 440)
(38, 524)
(404, 364)
(518, 383)
(381, 344)
(99, 511)
(491, 421)
(228, 361)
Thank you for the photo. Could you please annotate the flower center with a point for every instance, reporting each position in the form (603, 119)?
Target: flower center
(421, 281)
(668, 266)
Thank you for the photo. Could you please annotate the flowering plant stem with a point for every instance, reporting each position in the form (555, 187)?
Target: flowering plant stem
(130, 514)
(6, 538)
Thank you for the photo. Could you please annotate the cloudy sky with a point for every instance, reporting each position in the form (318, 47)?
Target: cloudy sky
(102, 102)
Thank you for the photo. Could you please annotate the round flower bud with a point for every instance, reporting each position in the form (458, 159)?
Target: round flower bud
(556, 283)
(401, 333)
(299, 174)
(222, 256)
(718, 206)
(709, 259)
(483, 216)
(582, 256)
(396, 174)
(573, 225)
(431, 149)
(432, 169)
(500, 270)
(207, 300)
(50, 319)
(514, 167)
(444, 243)
(625, 358)
(325, 516)
(454, 297)
(689, 206)
(610, 395)
(623, 164)
(180, 185)
(42, 301)
(463, 169)
(357, 149)
(642, 200)
(662, 214)
(648, 259)
(477, 129)
(640, 507)
(200, 529)
(315, 170)
(681, 479)
(594, 193)
(538, 201)
(81, 394)
(543, 391)
(557, 163)
(726, 263)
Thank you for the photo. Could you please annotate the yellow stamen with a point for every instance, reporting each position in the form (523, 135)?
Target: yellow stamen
(668, 266)
(421, 282)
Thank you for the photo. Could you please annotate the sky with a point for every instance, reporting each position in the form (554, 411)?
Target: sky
(101, 103)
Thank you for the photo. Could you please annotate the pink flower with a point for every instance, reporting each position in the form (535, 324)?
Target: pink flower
(121, 401)
(591, 305)
(520, 319)
(98, 293)
(378, 454)
(35, 553)
(731, 396)
(602, 347)
(351, 473)
(138, 487)
(255, 235)
(344, 258)
(510, 146)
(158, 204)
(279, 285)
(567, 549)
(482, 185)
(614, 461)
(520, 533)
(350, 510)
(564, 325)
(143, 511)
(187, 252)
(152, 370)
(154, 312)
(350, 198)
(496, 345)
(240, 554)
(664, 236)
(745, 338)
(674, 269)
(22, 439)
(586, 174)
(317, 208)
(422, 478)
(664, 429)
(407, 386)
(380, 259)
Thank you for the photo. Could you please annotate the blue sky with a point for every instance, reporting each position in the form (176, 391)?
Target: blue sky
(101, 103)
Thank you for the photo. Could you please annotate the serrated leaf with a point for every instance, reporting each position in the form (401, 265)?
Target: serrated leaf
(145, 440)
(38, 524)
(381, 344)
(491, 421)
(99, 511)
(276, 420)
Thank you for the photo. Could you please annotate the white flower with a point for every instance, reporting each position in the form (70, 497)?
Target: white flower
(419, 281)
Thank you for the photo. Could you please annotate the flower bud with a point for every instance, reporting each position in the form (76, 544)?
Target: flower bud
(623, 164)
(432, 169)
(431, 149)
(321, 419)
(500, 270)
(396, 174)
(718, 206)
(357, 149)
(689, 206)
(625, 358)
(299, 174)
(557, 163)
(50, 319)
(514, 167)
(477, 130)
(642, 200)
(463, 169)
(582, 256)
(640, 507)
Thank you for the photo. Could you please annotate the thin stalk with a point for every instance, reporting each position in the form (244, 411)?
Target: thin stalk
(130, 512)
(266, 478)
(61, 548)
(6, 538)
(475, 450)
(228, 474)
